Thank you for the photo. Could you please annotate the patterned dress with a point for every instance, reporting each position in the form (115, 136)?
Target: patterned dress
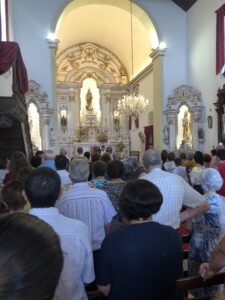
(207, 230)
(114, 190)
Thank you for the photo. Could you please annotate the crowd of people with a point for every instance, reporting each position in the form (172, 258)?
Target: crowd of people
(94, 219)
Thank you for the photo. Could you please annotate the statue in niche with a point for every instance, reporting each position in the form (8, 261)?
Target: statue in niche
(186, 126)
(89, 98)
(166, 133)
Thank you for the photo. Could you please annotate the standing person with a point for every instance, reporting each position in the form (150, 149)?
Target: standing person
(175, 190)
(143, 260)
(180, 170)
(207, 228)
(42, 189)
(92, 206)
(49, 159)
(61, 164)
(196, 173)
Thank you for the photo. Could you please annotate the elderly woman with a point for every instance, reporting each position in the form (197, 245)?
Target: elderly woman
(208, 228)
(144, 259)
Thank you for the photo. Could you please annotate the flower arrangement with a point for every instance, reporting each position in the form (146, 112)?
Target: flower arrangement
(120, 146)
(102, 138)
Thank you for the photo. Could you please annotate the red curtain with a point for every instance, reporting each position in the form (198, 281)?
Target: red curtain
(220, 13)
(10, 55)
(149, 138)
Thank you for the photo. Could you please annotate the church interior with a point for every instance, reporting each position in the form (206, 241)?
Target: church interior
(112, 102)
(163, 52)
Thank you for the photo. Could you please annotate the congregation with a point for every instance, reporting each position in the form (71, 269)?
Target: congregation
(96, 221)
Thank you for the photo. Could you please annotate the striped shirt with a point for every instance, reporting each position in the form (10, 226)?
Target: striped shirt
(176, 192)
(92, 206)
(76, 246)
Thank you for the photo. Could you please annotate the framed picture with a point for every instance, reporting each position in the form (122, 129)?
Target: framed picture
(209, 118)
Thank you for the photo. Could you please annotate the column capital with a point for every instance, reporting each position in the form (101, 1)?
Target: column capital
(157, 53)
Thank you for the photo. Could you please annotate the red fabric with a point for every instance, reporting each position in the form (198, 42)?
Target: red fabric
(149, 139)
(221, 169)
(220, 38)
(10, 54)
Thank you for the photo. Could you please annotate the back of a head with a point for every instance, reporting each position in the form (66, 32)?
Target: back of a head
(63, 151)
(61, 162)
(164, 155)
(183, 155)
(36, 161)
(79, 150)
(190, 156)
(31, 258)
(12, 196)
(49, 155)
(128, 171)
(151, 159)
(95, 156)
(213, 152)
(199, 158)
(106, 157)
(18, 160)
(43, 187)
(87, 154)
(211, 180)
(133, 161)
(207, 158)
(140, 199)
(79, 170)
(171, 156)
(24, 173)
(115, 169)
(109, 149)
(178, 161)
(99, 168)
(221, 154)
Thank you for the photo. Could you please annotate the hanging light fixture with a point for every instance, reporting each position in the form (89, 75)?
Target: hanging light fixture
(132, 103)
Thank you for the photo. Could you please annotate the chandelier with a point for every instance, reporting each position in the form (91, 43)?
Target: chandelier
(133, 103)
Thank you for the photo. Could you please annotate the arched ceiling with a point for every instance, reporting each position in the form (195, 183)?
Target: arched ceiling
(108, 23)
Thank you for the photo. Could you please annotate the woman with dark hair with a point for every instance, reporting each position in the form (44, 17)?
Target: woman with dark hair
(115, 171)
(31, 258)
(17, 162)
(13, 197)
(196, 173)
(143, 260)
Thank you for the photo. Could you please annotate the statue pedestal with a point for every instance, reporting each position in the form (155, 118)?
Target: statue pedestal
(92, 134)
(90, 120)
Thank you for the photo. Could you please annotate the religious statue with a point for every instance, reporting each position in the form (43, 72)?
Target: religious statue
(89, 100)
(186, 126)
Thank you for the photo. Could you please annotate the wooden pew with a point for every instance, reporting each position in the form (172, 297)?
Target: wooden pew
(193, 282)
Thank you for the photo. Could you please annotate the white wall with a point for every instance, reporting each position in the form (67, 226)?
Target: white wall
(201, 24)
(6, 84)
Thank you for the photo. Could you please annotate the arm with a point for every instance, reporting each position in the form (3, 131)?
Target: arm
(208, 270)
(190, 213)
(107, 228)
(104, 289)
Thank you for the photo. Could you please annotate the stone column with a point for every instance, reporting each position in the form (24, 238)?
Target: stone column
(194, 128)
(157, 63)
(74, 113)
(45, 121)
(52, 45)
(171, 118)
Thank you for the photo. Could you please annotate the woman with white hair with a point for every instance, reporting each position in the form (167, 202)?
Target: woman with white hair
(207, 229)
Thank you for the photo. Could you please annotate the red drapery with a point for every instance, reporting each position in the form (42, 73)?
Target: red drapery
(9, 55)
(149, 139)
(220, 13)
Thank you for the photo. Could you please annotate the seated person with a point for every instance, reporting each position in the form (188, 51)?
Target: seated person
(143, 260)
(31, 258)
(98, 172)
(207, 228)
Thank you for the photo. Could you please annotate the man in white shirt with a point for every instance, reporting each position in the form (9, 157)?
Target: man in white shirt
(92, 206)
(42, 189)
(61, 163)
(176, 193)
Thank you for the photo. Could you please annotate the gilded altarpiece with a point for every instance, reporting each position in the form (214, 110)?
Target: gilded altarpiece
(78, 122)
